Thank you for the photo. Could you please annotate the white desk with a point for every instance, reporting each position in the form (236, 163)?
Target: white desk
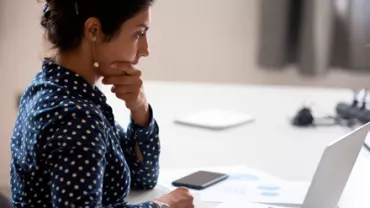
(270, 143)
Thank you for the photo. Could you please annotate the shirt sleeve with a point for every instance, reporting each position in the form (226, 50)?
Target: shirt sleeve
(144, 175)
(76, 161)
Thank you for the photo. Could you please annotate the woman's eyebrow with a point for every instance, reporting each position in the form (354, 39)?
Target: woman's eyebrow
(145, 26)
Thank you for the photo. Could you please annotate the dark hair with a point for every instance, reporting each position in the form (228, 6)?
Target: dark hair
(64, 20)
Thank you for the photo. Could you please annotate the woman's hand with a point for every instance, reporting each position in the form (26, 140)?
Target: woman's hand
(179, 198)
(127, 85)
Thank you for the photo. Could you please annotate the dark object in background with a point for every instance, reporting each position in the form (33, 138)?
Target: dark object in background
(357, 110)
(347, 111)
(303, 118)
(316, 36)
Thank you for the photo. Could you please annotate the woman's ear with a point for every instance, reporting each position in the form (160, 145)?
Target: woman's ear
(92, 28)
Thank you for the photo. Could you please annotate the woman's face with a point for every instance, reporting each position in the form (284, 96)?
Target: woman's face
(128, 46)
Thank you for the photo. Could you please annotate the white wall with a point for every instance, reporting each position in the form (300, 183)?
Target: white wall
(20, 40)
(197, 40)
(218, 43)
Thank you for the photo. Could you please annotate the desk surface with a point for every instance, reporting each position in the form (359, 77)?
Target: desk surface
(270, 143)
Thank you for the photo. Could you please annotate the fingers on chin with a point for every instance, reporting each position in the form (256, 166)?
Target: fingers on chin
(134, 72)
(123, 79)
(126, 90)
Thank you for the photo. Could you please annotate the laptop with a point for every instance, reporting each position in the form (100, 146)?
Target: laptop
(333, 171)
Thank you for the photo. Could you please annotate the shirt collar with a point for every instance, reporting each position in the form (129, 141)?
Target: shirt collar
(72, 82)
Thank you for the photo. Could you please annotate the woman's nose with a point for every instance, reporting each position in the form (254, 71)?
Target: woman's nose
(144, 49)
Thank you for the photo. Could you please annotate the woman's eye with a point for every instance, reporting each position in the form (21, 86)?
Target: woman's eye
(139, 35)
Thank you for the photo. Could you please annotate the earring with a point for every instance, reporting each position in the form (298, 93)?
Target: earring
(96, 64)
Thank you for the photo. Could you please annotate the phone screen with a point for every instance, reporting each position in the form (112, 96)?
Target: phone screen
(200, 179)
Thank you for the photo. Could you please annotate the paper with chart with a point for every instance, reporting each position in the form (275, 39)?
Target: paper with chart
(262, 191)
(236, 204)
(244, 183)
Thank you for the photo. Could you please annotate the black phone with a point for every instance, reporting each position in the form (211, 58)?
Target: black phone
(200, 180)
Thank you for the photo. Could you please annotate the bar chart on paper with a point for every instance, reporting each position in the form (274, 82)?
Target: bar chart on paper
(258, 187)
(245, 204)
(248, 190)
(243, 184)
(247, 186)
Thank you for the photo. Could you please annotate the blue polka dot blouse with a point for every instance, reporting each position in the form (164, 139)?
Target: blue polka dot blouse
(68, 151)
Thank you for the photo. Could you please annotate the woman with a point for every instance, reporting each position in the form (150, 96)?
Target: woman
(67, 150)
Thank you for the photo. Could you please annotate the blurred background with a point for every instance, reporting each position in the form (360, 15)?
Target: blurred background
(264, 42)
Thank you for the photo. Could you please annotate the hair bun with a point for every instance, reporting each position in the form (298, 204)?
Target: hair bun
(64, 20)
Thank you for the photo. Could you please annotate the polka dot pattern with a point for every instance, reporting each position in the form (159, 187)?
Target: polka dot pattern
(68, 151)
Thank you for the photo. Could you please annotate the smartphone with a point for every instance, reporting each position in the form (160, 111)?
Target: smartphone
(200, 180)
